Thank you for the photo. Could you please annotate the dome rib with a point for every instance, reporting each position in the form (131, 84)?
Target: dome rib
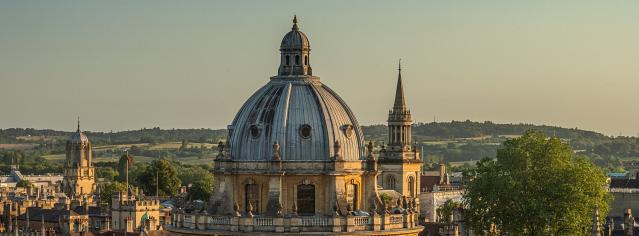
(283, 106)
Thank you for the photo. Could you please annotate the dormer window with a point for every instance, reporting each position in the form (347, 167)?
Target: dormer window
(297, 60)
(255, 131)
(288, 60)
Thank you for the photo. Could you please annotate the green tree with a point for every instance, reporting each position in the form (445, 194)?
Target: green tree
(23, 184)
(200, 190)
(385, 198)
(107, 173)
(162, 172)
(445, 210)
(111, 189)
(190, 175)
(122, 168)
(536, 186)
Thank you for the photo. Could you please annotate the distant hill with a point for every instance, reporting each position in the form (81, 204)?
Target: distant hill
(453, 141)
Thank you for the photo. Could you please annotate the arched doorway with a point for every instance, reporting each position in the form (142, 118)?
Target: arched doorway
(306, 199)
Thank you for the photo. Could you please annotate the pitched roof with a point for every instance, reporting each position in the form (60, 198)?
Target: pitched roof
(50, 215)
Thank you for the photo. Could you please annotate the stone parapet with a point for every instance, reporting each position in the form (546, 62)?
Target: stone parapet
(202, 223)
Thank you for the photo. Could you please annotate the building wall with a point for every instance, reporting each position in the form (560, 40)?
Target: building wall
(134, 209)
(430, 201)
(623, 201)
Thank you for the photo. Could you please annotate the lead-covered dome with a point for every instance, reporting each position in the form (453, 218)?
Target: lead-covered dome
(78, 137)
(295, 39)
(303, 116)
(295, 115)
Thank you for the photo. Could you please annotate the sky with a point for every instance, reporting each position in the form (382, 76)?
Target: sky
(122, 65)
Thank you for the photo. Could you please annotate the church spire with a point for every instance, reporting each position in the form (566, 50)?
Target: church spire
(400, 101)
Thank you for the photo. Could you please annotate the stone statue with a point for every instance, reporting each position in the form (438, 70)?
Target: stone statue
(220, 150)
(227, 149)
(369, 147)
(236, 209)
(373, 208)
(337, 146)
(249, 209)
(276, 151)
(279, 209)
(294, 209)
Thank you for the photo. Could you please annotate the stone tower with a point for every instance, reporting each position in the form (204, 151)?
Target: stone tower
(399, 161)
(79, 173)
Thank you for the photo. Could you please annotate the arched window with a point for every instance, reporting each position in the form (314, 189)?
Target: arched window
(352, 195)
(306, 60)
(252, 195)
(288, 60)
(411, 186)
(297, 60)
(390, 182)
(306, 199)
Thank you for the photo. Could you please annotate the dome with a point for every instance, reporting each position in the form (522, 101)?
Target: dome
(78, 137)
(295, 39)
(304, 117)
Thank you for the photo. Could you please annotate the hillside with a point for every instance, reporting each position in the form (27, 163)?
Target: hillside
(456, 141)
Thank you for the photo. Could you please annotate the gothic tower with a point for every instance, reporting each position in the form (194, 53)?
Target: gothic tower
(399, 161)
(79, 173)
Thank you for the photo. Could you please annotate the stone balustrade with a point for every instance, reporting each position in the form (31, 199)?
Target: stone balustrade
(203, 223)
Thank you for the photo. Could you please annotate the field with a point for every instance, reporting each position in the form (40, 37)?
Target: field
(16, 146)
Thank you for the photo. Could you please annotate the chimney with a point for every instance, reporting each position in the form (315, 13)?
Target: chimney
(442, 173)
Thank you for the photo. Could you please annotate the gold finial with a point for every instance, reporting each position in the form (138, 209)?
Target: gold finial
(295, 27)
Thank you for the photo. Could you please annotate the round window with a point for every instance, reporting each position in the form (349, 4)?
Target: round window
(255, 131)
(305, 131)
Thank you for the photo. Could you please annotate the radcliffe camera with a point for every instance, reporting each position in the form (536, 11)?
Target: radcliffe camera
(398, 118)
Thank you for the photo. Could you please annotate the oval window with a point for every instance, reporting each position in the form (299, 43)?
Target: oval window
(255, 131)
(305, 131)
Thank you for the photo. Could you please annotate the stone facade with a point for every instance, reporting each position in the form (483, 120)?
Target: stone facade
(130, 214)
(430, 201)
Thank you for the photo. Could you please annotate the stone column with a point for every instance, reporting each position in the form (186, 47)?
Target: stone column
(246, 224)
(350, 223)
(337, 224)
(278, 223)
(274, 206)
(235, 222)
(376, 221)
(295, 222)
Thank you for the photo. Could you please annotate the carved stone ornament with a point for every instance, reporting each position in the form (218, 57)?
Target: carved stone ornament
(276, 151)
(348, 130)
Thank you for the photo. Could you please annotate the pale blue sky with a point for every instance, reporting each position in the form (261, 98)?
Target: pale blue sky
(190, 64)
